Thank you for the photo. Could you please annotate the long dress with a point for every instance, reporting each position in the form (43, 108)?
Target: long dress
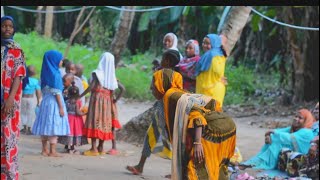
(102, 114)
(48, 121)
(12, 65)
(209, 82)
(183, 112)
(268, 156)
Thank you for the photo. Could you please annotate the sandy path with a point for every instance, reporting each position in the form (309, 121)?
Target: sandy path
(33, 166)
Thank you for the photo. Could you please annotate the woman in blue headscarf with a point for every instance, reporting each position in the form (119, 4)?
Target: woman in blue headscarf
(52, 119)
(12, 71)
(210, 69)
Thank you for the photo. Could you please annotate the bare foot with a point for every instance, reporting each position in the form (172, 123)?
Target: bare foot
(135, 170)
(45, 153)
(168, 176)
(55, 155)
(243, 167)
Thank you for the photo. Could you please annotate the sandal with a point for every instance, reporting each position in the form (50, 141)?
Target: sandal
(113, 152)
(133, 170)
(90, 153)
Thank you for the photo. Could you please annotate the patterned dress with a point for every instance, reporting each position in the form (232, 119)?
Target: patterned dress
(12, 65)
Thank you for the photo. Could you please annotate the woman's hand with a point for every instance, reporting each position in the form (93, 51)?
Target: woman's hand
(61, 112)
(8, 105)
(267, 140)
(198, 153)
(224, 80)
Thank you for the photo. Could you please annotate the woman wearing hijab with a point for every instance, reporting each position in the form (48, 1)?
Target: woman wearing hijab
(12, 71)
(170, 41)
(102, 117)
(188, 64)
(296, 137)
(52, 119)
(210, 69)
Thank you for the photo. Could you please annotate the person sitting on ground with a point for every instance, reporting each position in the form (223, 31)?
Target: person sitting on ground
(296, 137)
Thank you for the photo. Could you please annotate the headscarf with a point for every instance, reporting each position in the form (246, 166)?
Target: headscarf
(50, 73)
(165, 79)
(174, 43)
(206, 59)
(187, 65)
(106, 72)
(308, 118)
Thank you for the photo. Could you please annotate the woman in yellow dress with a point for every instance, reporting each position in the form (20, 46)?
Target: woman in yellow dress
(210, 78)
(203, 138)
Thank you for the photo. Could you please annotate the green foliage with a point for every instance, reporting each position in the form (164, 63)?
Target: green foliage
(240, 84)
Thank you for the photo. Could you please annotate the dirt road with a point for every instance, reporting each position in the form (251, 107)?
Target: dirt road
(33, 166)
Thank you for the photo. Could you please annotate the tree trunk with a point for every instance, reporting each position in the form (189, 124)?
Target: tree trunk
(49, 22)
(121, 36)
(232, 28)
(77, 28)
(39, 26)
(2, 11)
(236, 20)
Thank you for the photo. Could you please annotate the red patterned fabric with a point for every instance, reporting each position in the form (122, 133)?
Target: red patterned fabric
(12, 65)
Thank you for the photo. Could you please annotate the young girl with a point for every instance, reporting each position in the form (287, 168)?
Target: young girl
(29, 103)
(75, 122)
(52, 120)
(170, 41)
(102, 117)
(188, 64)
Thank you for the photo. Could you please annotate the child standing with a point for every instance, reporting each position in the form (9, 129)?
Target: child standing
(67, 82)
(75, 122)
(188, 64)
(102, 117)
(29, 102)
(52, 120)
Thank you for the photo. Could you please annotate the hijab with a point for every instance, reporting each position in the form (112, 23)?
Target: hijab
(206, 59)
(105, 72)
(50, 73)
(174, 43)
(187, 65)
(308, 118)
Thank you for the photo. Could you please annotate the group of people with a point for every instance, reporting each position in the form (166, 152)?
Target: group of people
(198, 137)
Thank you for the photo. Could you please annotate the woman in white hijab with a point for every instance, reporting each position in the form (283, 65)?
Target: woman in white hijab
(170, 41)
(102, 117)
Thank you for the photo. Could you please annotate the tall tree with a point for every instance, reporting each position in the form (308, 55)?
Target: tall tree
(78, 27)
(231, 29)
(39, 26)
(2, 11)
(49, 21)
(121, 36)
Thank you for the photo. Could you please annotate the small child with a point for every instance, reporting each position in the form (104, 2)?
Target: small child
(156, 65)
(29, 101)
(71, 68)
(52, 120)
(102, 117)
(75, 122)
(67, 82)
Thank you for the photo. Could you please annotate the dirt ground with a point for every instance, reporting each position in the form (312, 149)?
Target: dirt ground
(33, 166)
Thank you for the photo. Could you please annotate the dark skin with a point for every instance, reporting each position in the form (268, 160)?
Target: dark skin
(79, 70)
(7, 31)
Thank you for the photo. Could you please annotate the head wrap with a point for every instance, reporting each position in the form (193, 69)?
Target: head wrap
(308, 118)
(206, 59)
(195, 45)
(50, 73)
(106, 72)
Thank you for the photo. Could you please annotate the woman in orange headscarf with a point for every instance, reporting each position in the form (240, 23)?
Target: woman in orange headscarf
(296, 137)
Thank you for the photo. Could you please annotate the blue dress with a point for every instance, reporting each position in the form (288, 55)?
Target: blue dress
(48, 121)
(268, 156)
